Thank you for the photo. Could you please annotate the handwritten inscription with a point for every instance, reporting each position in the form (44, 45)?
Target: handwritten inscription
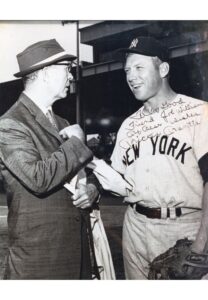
(168, 119)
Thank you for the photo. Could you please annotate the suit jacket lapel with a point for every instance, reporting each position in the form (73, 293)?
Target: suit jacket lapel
(39, 116)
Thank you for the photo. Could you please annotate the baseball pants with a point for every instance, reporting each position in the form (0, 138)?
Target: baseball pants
(145, 238)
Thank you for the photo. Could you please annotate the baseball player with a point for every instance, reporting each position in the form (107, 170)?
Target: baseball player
(162, 151)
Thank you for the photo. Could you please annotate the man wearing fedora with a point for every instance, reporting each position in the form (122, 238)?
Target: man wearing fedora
(47, 232)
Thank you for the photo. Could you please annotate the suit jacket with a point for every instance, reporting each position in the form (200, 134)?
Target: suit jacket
(43, 224)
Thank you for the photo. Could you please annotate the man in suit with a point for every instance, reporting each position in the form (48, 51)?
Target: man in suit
(47, 232)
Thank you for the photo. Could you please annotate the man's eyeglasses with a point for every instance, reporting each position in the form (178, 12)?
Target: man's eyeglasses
(69, 65)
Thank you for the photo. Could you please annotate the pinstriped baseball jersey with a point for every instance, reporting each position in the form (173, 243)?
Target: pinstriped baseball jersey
(164, 153)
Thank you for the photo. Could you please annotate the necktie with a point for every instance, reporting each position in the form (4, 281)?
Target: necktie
(51, 118)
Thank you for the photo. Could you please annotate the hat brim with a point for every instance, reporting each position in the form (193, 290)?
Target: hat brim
(40, 66)
(120, 54)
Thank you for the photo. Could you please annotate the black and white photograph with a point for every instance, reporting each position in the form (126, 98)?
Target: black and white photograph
(104, 150)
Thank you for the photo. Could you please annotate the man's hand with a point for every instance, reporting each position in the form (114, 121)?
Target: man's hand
(85, 195)
(73, 130)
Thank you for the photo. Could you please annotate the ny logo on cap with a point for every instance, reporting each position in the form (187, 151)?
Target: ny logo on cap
(134, 43)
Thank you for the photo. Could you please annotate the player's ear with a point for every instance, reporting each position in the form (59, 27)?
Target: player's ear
(164, 69)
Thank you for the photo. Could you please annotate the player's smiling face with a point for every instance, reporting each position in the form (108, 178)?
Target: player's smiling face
(143, 76)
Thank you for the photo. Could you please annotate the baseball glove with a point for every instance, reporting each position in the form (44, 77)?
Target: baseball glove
(179, 262)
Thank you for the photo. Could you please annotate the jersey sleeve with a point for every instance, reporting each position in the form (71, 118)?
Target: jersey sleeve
(201, 142)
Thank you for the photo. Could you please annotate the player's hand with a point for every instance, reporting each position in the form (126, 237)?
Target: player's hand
(110, 179)
(73, 130)
(85, 195)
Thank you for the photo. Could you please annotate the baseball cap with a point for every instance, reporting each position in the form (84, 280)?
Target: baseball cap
(40, 55)
(144, 45)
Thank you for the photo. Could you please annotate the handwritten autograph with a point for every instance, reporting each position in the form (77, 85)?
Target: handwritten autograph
(166, 120)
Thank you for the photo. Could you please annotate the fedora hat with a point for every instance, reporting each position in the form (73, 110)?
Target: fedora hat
(144, 45)
(40, 55)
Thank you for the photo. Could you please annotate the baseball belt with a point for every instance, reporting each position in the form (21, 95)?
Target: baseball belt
(154, 213)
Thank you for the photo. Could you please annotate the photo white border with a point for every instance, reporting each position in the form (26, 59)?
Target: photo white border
(111, 10)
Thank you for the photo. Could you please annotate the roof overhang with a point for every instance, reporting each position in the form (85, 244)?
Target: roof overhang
(184, 47)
